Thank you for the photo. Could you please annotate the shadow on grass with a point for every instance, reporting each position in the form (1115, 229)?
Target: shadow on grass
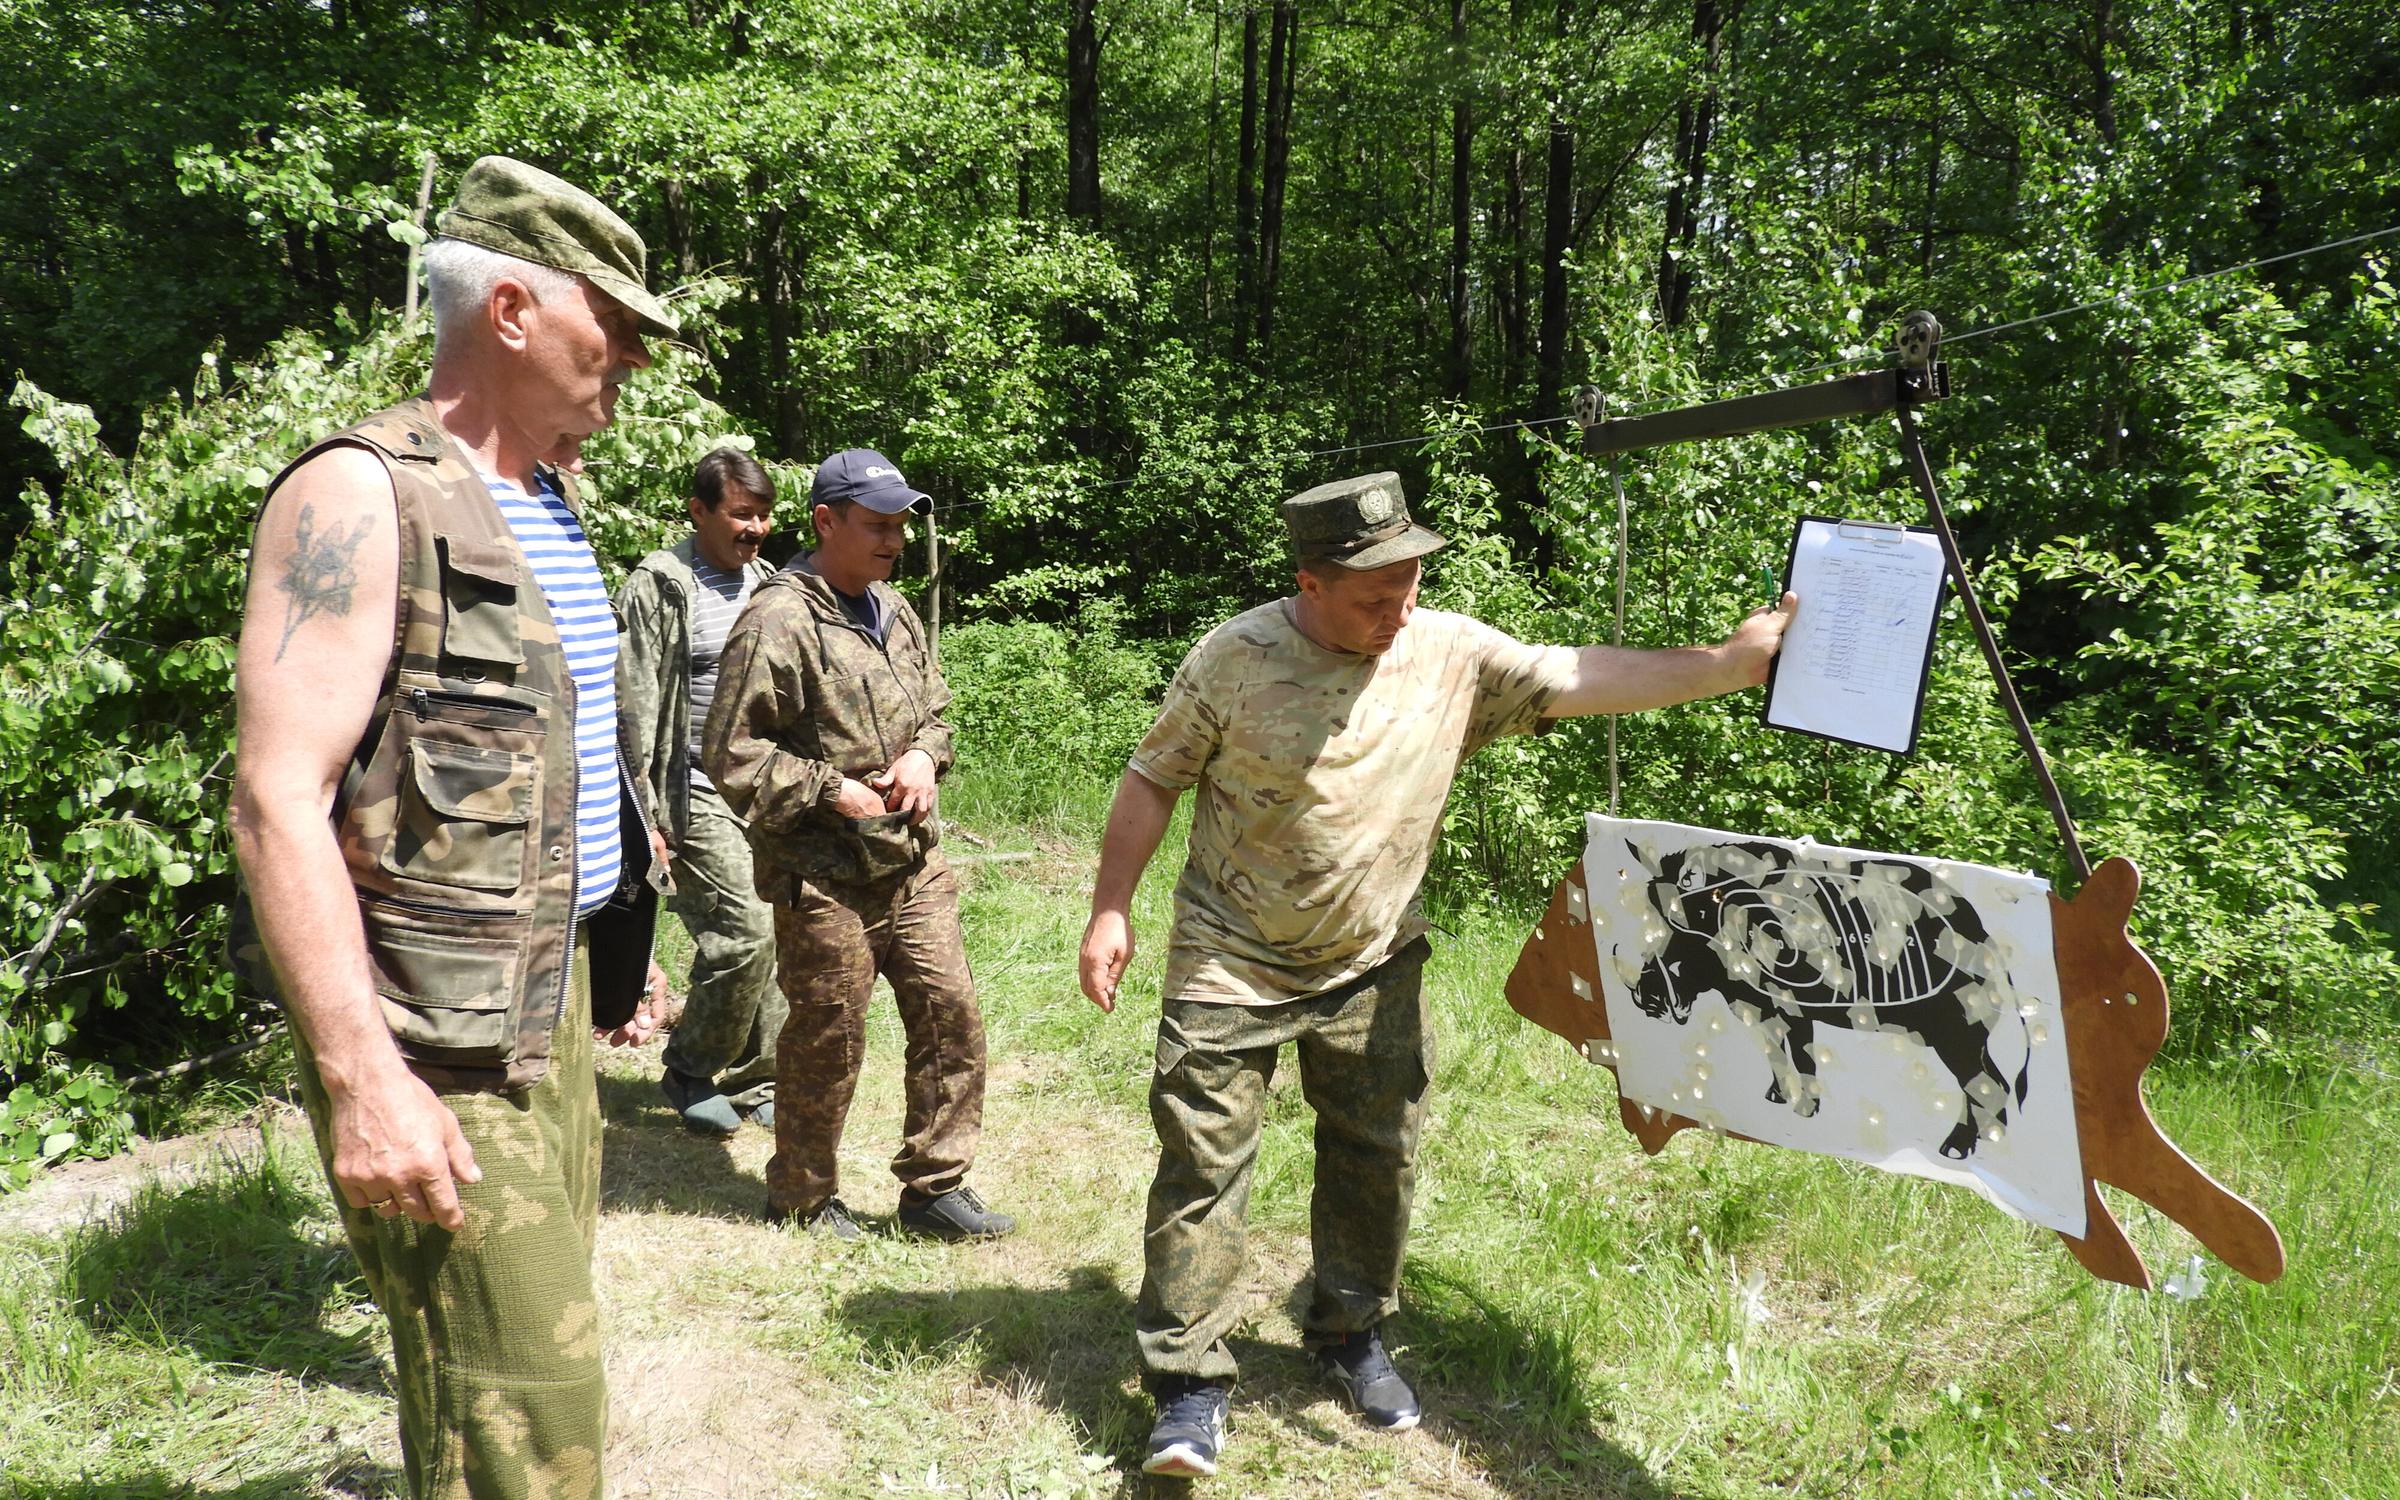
(649, 1163)
(1508, 1395)
(1510, 1391)
(240, 1267)
(361, 1478)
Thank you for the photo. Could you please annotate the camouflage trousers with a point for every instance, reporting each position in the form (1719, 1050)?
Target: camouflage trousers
(830, 943)
(495, 1330)
(734, 1012)
(1365, 1058)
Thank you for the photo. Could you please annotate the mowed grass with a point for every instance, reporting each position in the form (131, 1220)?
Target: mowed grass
(1720, 1320)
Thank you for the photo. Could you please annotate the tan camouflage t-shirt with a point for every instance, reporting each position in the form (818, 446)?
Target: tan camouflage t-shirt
(1322, 778)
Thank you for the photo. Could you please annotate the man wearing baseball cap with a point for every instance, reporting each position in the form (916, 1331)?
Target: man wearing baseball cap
(447, 882)
(827, 736)
(1323, 731)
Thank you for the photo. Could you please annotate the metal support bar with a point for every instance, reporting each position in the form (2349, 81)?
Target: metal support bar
(1922, 472)
(1863, 395)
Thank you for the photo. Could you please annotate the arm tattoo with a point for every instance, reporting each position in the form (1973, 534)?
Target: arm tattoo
(319, 574)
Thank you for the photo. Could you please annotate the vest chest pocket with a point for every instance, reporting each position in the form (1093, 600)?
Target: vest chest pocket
(479, 602)
(462, 815)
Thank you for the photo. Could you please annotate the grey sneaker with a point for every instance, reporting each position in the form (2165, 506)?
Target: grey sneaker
(1190, 1430)
(698, 1104)
(1357, 1365)
(764, 1115)
(829, 1220)
(956, 1215)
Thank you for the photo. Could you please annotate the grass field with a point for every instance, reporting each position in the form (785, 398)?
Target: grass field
(1722, 1320)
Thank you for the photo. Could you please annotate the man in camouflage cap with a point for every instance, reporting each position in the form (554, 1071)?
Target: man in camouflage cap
(1323, 731)
(431, 824)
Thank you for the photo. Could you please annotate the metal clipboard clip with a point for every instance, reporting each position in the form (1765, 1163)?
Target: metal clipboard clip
(1883, 533)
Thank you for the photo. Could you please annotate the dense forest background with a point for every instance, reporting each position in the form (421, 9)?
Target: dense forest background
(1111, 277)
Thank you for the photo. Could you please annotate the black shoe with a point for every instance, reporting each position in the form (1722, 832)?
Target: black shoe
(698, 1103)
(829, 1219)
(1358, 1365)
(1190, 1430)
(956, 1215)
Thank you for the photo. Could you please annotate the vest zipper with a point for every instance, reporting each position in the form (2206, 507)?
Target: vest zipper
(439, 909)
(421, 701)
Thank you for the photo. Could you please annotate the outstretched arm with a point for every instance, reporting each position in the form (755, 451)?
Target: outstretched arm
(1618, 680)
(1137, 820)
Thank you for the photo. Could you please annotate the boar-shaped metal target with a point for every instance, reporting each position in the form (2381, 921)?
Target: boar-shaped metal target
(1940, 1019)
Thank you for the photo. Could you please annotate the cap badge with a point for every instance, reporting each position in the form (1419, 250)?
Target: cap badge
(1375, 506)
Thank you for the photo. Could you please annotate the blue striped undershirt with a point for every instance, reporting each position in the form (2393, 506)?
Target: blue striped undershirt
(554, 543)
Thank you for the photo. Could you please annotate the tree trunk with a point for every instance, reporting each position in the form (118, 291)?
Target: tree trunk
(1245, 190)
(775, 285)
(1208, 217)
(1462, 153)
(1512, 281)
(1695, 123)
(1558, 226)
(1283, 58)
(679, 228)
(1083, 112)
(1933, 172)
(2104, 82)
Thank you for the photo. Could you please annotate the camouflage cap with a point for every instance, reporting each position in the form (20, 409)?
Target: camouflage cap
(1360, 523)
(523, 211)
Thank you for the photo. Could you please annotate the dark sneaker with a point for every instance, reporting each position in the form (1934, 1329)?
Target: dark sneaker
(829, 1219)
(1368, 1381)
(1190, 1430)
(697, 1102)
(956, 1215)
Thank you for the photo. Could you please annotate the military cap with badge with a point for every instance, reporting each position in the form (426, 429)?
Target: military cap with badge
(1360, 523)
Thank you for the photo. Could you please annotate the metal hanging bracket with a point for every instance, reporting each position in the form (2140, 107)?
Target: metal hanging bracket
(1917, 378)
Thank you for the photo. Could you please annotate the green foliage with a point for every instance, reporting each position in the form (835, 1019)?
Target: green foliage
(2179, 502)
(79, 1115)
(1059, 707)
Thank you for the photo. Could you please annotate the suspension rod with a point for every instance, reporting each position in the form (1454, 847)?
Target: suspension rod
(1922, 472)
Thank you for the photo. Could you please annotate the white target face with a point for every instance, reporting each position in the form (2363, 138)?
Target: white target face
(1898, 1011)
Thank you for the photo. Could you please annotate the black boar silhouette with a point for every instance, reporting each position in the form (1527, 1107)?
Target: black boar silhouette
(1794, 942)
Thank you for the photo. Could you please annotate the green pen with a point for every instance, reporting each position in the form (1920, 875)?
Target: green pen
(1766, 583)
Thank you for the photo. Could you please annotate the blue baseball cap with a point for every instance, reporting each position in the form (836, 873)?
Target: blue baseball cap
(867, 477)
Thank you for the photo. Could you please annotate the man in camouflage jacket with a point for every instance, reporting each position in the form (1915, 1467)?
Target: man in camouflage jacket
(827, 735)
(678, 604)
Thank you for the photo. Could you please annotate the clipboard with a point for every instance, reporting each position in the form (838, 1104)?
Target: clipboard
(1856, 663)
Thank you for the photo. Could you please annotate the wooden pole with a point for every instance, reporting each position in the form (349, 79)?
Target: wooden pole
(933, 582)
(415, 252)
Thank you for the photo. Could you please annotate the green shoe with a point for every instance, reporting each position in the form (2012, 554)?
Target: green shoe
(696, 1101)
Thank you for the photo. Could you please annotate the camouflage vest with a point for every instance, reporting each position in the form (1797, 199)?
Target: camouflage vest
(456, 816)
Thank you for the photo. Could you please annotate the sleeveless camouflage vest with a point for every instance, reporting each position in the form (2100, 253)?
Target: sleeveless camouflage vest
(456, 816)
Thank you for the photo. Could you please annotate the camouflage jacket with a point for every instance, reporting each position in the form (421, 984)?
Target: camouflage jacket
(654, 677)
(456, 815)
(806, 697)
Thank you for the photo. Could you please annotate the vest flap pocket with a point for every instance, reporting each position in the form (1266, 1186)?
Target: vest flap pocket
(480, 581)
(446, 995)
(462, 816)
(473, 781)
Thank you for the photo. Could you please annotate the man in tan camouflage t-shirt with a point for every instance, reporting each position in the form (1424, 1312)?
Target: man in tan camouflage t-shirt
(1323, 731)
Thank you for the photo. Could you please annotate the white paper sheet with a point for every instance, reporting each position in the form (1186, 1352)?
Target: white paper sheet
(1854, 662)
(1924, 994)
